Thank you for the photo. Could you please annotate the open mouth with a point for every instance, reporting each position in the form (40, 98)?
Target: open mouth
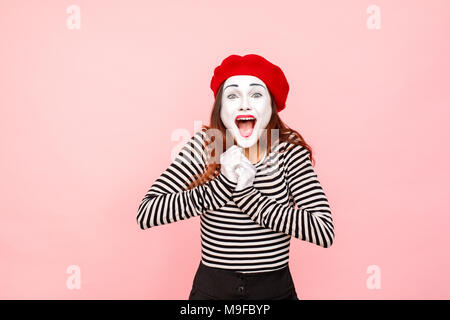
(245, 124)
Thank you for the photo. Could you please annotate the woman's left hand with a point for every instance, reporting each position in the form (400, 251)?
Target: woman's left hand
(246, 173)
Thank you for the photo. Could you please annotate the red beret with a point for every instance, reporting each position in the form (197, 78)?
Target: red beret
(254, 65)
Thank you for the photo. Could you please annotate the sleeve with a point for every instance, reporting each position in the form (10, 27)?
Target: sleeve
(168, 201)
(310, 221)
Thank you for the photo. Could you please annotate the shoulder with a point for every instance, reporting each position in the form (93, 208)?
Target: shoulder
(197, 139)
(200, 135)
(192, 148)
(196, 146)
(294, 148)
(295, 153)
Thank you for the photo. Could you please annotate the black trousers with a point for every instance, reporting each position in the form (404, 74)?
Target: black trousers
(219, 284)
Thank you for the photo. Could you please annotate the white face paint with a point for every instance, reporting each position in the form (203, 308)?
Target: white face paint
(245, 96)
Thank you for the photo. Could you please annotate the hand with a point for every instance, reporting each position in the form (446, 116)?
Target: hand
(229, 161)
(246, 172)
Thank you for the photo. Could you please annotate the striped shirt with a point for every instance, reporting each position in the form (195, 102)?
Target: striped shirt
(247, 230)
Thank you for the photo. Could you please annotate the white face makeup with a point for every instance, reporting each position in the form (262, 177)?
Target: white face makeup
(246, 108)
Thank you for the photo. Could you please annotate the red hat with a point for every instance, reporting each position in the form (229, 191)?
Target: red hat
(254, 65)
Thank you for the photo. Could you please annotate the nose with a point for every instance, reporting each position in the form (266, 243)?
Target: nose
(245, 107)
(245, 104)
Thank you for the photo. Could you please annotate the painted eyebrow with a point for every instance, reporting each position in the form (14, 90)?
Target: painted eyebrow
(251, 84)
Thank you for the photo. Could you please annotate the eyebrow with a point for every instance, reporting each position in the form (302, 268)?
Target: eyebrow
(251, 84)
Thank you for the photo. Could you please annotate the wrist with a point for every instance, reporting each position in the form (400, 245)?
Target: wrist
(226, 182)
(244, 192)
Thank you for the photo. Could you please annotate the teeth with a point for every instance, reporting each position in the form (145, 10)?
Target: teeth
(248, 118)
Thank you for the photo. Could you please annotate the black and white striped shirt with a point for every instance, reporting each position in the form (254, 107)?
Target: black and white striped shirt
(247, 230)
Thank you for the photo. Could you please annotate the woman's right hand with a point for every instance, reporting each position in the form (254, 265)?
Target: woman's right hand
(229, 161)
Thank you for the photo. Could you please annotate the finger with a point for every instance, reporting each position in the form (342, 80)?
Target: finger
(232, 152)
(248, 166)
(245, 159)
(237, 152)
(235, 157)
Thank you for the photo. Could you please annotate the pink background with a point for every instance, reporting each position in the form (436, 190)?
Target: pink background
(87, 118)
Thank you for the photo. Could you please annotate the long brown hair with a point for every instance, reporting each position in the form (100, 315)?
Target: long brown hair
(285, 134)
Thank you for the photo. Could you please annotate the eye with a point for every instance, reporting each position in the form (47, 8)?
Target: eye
(260, 95)
(231, 95)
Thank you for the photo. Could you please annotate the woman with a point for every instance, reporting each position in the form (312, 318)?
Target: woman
(253, 197)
